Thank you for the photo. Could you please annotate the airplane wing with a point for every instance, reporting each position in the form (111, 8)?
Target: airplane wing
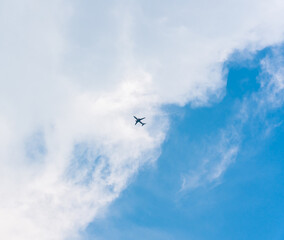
(136, 122)
(142, 118)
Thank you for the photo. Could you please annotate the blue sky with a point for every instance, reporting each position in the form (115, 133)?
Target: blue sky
(246, 203)
(207, 75)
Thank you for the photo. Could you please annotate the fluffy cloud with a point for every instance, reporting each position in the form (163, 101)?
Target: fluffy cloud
(73, 74)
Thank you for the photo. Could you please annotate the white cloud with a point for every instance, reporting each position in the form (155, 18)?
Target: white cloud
(73, 73)
(273, 66)
(219, 155)
(251, 112)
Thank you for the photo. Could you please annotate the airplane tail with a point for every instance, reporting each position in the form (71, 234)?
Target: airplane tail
(143, 124)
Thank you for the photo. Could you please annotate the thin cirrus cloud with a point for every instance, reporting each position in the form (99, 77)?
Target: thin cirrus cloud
(72, 75)
(251, 114)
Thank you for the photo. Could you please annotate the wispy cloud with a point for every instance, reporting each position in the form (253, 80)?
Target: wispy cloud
(253, 110)
(218, 157)
(74, 72)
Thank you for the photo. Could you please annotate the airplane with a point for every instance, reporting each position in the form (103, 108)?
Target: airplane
(138, 120)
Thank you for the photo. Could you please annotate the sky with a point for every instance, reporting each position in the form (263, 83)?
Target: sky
(166, 201)
(208, 77)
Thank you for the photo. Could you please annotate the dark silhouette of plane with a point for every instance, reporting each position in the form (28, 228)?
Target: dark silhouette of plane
(138, 120)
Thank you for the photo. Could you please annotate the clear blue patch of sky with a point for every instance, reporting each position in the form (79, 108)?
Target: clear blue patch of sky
(248, 204)
(35, 147)
(83, 163)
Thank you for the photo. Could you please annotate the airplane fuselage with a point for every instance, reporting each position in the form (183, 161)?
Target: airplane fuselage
(139, 120)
